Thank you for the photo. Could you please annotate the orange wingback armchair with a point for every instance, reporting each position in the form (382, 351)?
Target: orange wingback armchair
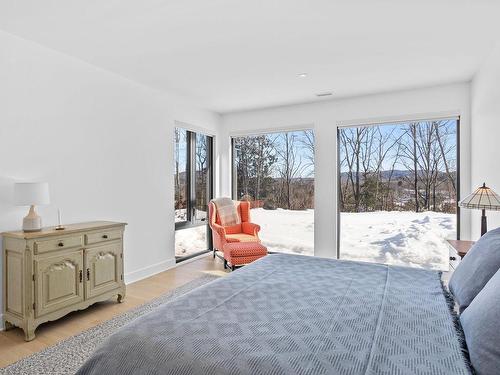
(244, 232)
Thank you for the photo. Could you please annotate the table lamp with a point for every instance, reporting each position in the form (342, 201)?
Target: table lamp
(482, 199)
(31, 194)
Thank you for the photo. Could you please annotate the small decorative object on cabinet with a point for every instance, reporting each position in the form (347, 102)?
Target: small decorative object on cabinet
(59, 221)
(50, 273)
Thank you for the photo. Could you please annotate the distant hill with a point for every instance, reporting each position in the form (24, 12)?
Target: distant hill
(397, 174)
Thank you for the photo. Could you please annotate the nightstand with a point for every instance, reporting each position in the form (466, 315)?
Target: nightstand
(458, 249)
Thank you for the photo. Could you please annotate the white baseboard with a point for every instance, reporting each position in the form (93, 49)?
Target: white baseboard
(148, 271)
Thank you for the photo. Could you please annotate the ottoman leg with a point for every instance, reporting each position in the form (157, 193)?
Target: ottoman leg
(233, 267)
(225, 264)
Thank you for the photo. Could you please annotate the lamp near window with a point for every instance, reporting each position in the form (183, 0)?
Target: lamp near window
(482, 199)
(31, 194)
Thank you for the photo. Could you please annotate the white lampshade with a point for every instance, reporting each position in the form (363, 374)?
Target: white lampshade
(31, 193)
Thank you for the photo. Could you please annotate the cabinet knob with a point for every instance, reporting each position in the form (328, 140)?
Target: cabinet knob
(60, 244)
(81, 275)
(88, 274)
(104, 236)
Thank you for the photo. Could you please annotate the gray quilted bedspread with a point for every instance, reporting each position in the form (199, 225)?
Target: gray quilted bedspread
(289, 314)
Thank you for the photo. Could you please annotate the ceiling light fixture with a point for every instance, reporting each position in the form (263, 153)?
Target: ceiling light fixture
(302, 75)
(321, 94)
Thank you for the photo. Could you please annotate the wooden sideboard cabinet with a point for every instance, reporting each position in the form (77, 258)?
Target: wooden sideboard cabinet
(50, 273)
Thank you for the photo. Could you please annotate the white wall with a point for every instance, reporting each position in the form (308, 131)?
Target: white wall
(325, 116)
(104, 144)
(485, 150)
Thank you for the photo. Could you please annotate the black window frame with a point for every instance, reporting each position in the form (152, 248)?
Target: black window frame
(190, 221)
(458, 223)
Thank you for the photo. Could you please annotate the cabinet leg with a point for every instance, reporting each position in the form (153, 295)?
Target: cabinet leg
(29, 334)
(121, 297)
(8, 325)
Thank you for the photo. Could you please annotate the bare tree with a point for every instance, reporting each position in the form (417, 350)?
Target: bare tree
(410, 154)
(442, 137)
(369, 157)
(352, 139)
(290, 164)
(179, 196)
(263, 162)
(395, 160)
(244, 154)
(308, 144)
(201, 154)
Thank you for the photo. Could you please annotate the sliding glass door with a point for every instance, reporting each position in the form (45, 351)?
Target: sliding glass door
(398, 192)
(193, 181)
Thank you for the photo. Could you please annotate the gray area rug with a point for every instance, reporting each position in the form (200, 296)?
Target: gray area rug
(67, 356)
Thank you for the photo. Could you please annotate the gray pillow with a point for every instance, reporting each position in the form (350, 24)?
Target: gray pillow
(480, 263)
(481, 325)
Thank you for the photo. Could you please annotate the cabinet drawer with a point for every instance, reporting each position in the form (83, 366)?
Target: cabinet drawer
(97, 237)
(60, 243)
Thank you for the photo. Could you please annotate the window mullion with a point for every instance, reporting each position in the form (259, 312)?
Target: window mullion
(192, 176)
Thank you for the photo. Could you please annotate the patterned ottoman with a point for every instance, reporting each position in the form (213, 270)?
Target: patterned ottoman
(240, 253)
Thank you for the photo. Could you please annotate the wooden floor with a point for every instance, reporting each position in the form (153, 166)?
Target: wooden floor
(12, 344)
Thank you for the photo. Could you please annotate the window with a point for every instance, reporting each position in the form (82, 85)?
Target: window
(193, 182)
(275, 172)
(398, 188)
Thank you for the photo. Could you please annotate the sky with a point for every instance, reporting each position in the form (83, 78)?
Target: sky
(398, 130)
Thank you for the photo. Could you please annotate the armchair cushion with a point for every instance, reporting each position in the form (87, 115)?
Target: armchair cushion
(233, 229)
(241, 237)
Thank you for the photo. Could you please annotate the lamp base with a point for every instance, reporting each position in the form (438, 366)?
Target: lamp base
(32, 222)
(484, 225)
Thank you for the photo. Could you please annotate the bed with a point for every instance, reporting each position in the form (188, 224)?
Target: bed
(292, 314)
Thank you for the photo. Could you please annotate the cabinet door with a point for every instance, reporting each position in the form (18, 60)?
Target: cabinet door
(104, 269)
(59, 282)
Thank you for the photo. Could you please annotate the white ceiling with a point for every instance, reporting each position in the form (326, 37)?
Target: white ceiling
(230, 55)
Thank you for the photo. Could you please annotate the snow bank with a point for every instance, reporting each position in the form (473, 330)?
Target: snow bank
(402, 238)
(190, 241)
(286, 231)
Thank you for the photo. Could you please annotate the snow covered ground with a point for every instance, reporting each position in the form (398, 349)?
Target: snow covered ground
(286, 231)
(403, 238)
(190, 241)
